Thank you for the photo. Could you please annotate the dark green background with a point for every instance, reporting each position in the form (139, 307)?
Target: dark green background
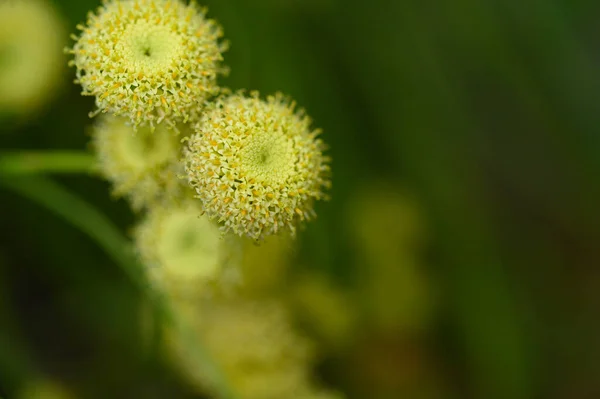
(487, 110)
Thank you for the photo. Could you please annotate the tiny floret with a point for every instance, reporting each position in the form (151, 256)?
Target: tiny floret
(151, 61)
(143, 166)
(256, 165)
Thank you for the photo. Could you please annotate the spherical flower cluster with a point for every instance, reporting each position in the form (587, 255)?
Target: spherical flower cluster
(184, 251)
(151, 61)
(31, 39)
(256, 165)
(142, 165)
(255, 346)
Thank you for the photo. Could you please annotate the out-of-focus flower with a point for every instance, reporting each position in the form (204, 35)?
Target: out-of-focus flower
(185, 252)
(143, 166)
(387, 228)
(31, 60)
(326, 309)
(257, 165)
(385, 220)
(255, 346)
(264, 268)
(151, 61)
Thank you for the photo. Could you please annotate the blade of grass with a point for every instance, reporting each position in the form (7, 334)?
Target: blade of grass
(92, 222)
(32, 162)
(80, 214)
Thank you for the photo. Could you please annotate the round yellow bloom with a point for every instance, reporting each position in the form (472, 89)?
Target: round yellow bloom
(152, 61)
(256, 165)
(254, 345)
(31, 41)
(184, 251)
(143, 166)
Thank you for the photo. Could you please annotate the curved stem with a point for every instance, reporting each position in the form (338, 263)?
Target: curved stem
(32, 162)
(98, 227)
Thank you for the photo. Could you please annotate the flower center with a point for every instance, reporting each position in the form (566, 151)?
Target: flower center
(264, 156)
(149, 48)
(268, 157)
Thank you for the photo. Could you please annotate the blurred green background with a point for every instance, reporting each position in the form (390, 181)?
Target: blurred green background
(486, 112)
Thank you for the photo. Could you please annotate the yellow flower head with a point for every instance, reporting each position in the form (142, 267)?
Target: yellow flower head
(183, 251)
(143, 165)
(256, 165)
(255, 346)
(31, 61)
(151, 61)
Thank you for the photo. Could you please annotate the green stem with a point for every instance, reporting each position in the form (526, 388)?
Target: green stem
(92, 222)
(32, 162)
(78, 213)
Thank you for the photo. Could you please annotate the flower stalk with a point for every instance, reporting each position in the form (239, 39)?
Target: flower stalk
(35, 162)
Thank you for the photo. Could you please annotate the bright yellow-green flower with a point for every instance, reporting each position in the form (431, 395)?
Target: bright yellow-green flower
(151, 61)
(184, 251)
(143, 165)
(257, 165)
(31, 60)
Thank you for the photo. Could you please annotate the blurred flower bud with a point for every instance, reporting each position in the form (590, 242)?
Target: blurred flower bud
(143, 166)
(31, 60)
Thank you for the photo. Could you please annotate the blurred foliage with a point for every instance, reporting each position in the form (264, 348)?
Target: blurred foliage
(484, 114)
